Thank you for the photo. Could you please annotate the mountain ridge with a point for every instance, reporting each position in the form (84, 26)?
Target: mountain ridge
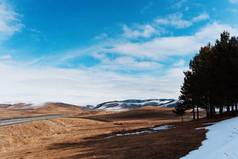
(136, 103)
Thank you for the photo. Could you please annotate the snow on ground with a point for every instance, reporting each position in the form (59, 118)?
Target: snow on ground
(221, 143)
(145, 131)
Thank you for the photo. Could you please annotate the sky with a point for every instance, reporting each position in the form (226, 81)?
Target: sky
(87, 52)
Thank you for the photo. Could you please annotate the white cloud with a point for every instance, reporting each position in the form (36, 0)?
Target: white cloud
(158, 26)
(201, 17)
(90, 86)
(82, 86)
(5, 57)
(233, 1)
(101, 36)
(180, 63)
(159, 47)
(175, 45)
(174, 20)
(9, 21)
(140, 31)
(128, 64)
(147, 7)
(177, 20)
(180, 3)
(128, 61)
(212, 32)
(154, 50)
(233, 10)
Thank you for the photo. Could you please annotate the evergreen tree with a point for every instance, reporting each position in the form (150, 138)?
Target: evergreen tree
(212, 81)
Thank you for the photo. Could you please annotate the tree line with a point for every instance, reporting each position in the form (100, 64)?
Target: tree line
(211, 82)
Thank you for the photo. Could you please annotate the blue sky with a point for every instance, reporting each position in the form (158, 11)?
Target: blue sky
(85, 52)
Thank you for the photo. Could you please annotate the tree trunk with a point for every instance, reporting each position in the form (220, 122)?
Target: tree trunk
(193, 112)
(220, 110)
(197, 113)
(236, 107)
(207, 111)
(232, 108)
(228, 108)
(211, 111)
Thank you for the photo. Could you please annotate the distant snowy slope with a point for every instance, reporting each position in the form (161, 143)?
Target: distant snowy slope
(136, 103)
(221, 143)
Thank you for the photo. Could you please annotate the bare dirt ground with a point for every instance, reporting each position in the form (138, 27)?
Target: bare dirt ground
(86, 134)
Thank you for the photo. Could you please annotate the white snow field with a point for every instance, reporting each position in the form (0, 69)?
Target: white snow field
(221, 142)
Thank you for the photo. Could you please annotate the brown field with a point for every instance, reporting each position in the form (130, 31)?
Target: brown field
(84, 134)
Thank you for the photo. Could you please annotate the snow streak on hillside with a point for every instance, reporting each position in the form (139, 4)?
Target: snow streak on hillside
(221, 143)
(136, 103)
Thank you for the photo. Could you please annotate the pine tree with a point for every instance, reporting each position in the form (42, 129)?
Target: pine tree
(212, 81)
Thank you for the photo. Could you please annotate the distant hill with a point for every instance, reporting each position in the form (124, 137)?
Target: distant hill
(110, 105)
(17, 106)
(136, 103)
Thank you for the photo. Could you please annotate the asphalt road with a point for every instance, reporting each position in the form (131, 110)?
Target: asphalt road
(12, 121)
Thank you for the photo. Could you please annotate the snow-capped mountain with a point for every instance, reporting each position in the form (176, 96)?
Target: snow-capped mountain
(136, 103)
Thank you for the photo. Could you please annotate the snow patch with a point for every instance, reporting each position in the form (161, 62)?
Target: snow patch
(163, 127)
(222, 142)
(144, 131)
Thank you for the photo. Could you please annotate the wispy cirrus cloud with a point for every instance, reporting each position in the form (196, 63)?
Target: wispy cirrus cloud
(143, 55)
(159, 26)
(174, 45)
(201, 17)
(180, 3)
(176, 20)
(9, 21)
(233, 1)
(140, 31)
(129, 64)
(157, 47)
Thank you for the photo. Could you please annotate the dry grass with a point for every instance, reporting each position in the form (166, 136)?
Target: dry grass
(83, 135)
